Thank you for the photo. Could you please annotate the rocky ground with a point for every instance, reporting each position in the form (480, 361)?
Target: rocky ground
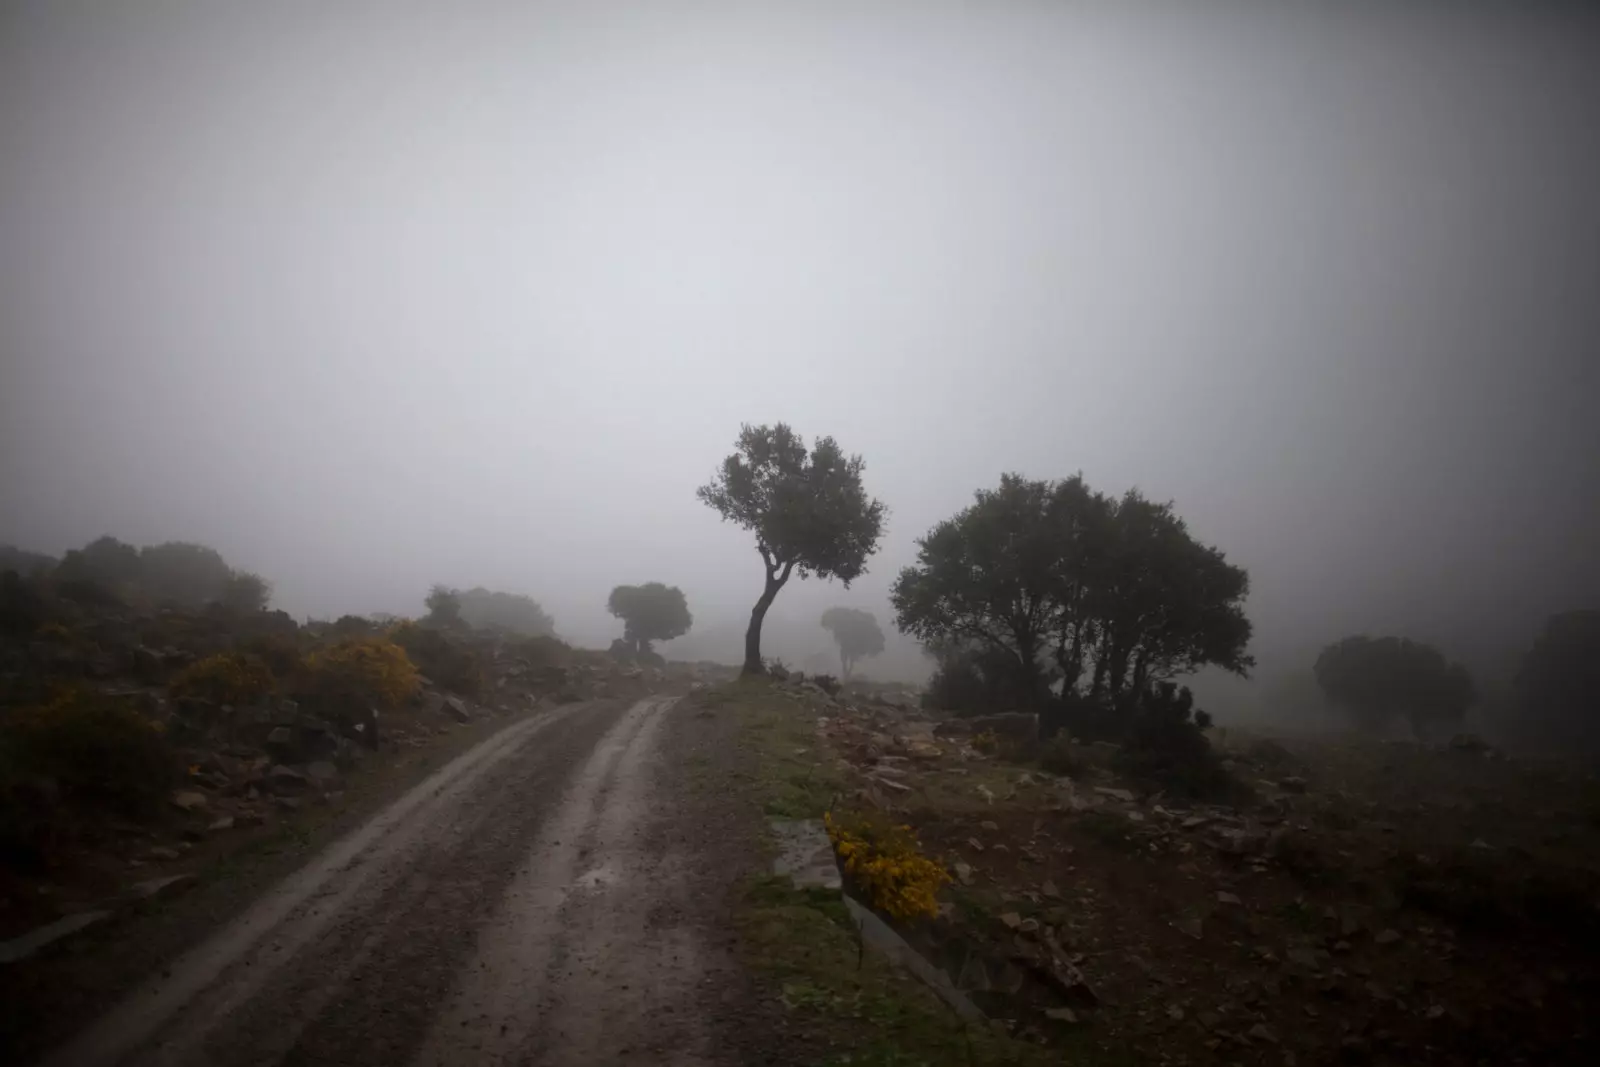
(1368, 903)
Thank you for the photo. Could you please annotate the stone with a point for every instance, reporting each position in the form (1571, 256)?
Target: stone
(322, 773)
(162, 852)
(286, 780)
(1259, 1032)
(1292, 784)
(1175, 1013)
(1011, 919)
(1304, 958)
(189, 800)
(218, 825)
(963, 872)
(281, 737)
(458, 709)
(156, 887)
(1114, 794)
(1387, 937)
(1191, 926)
(1061, 1015)
(1227, 898)
(1049, 889)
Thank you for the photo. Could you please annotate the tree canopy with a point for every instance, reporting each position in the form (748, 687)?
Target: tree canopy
(650, 612)
(1557, 683)
(1376, 680)
(857, 634)
(444, 606)
(1113, 594)
(514, 612)
(808, 509)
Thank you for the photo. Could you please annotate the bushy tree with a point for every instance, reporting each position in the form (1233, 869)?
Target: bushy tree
(246, 593)
(25, 563)
(444, 606)
(650, 612)
(1052, 582)
(104, 561)
(807, 507)
(1376, 680)
(184, 573)
(512, 612)
(857, 634)
(1558, 686)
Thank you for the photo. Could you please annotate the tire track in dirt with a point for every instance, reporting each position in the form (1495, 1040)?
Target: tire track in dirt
(357, 948)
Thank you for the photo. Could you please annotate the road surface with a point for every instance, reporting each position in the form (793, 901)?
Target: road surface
(524, 905)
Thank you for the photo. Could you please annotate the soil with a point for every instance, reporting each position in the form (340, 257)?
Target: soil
(557, 894)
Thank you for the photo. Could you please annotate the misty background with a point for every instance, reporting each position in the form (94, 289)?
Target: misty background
(371, 296)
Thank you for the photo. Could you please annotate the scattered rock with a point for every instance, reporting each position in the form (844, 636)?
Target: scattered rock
(322, 773)
(1386, 937)
(155, 887)
(1304, 958)
(1114, 794)
(1011, 919)
(1292, 784)
(1259, 1032)
(189, 800)
(1049, 889)
(1061, 1015)
(1192, 926)
(963, 872)
(218, 825)
(458, 709)
(1227, 898)
(286, 780)
(162, 852)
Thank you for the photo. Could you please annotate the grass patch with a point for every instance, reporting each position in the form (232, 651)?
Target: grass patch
(851, 1005)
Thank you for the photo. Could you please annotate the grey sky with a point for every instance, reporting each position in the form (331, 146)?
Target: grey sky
(371, 295)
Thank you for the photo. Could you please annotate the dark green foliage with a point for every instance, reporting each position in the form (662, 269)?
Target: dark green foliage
(98, 750)
(512, 612)
(244, 593)
(25, 563)
(444, 606)
(104, 561)
(179, 572)
(445, 662)
(1115, 593)
(1165, 744)
(856, 633)
(974, 679)
(650, 612)
(22, 605)
(352, 626)
(807, 508)
(827, 683)
(1558, 687)
(1059, 755)
(1378, 680)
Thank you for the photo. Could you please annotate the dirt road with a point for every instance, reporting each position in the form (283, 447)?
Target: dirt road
(527, 904)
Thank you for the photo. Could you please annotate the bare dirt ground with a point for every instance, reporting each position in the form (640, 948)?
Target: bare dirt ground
(538, 900)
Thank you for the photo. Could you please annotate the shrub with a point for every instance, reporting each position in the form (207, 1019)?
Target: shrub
(827, 683)
(22, 607)
(245, 593)
(1060, 756)
(1166, 744)
(444, 662)
(98, 749)
(444, 606)
(279, 651)
(360, 671)
(180, 572)
(887, 862)
(544, 650)
(225, 678)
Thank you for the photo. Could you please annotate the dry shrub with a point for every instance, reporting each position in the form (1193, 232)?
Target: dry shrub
(360, 671)
(1060, 755)
(445, 662)
(98, 750)
(225, 678)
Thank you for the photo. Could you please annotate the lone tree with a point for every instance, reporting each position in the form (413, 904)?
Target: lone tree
(1376, 680)
(856, 633)
(807, 508)
(444, 606)
(650, 612)
(1557, 683)
(1051, 581)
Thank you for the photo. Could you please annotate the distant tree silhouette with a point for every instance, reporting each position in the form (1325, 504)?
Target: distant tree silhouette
(1557, 685)
(1376, 680)
(650, 612)
(444, 606)
(807, 507)
(856, 633)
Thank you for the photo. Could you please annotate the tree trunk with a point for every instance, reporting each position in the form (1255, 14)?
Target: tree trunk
(752, 637)
(844, 665)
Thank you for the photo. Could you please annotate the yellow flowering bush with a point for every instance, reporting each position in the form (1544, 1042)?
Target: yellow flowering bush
(887, 862)
(987, 742)
(225, 678)
(99, 749)
(366, 670)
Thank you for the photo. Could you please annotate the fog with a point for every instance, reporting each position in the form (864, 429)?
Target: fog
(371, 296)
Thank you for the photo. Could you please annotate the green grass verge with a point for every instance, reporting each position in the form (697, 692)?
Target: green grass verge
(850, 1005)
